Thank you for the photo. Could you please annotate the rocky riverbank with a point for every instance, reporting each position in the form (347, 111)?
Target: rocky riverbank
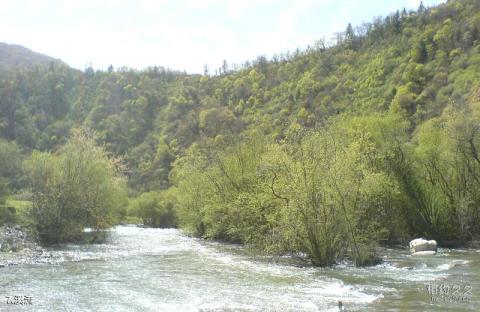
(13, 239)
(17, 247)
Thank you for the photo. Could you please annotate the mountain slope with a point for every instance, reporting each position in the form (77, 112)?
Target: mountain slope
(14, 56)
(412, 63)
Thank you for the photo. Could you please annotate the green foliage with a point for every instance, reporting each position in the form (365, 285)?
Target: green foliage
(155, 209)
(3, 191)
(336, 192)
(10, 167)
(7, 214)
(403, 103)
(15, 212)
(420, 53)
(324, 152)
(447, 150)
(325, 195)
(81, 186)
(220, 193)
(412, 63)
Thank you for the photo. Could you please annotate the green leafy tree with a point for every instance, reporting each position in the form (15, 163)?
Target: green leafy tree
(80, 186)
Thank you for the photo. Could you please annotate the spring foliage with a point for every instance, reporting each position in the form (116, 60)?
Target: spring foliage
(156, 209)
(79, 186)
(325, 152)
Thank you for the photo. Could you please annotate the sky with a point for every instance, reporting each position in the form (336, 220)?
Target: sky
(181, 35)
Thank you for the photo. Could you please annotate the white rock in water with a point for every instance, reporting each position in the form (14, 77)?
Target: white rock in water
(421, 245)
(424, 253)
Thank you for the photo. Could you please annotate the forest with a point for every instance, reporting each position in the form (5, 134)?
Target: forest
(326, 152)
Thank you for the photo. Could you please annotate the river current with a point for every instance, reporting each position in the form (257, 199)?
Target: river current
(144, 269)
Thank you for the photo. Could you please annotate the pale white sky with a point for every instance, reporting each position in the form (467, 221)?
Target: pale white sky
(179, 34)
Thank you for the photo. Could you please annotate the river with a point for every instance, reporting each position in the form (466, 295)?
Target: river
(144, 269)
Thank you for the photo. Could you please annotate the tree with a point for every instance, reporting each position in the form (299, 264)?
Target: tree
(350, 36)
(421, 14)
(10, 165)
(448, 155)
(403, 103)
(397, 22)
(81, 186)
(206, 70)
(334, 194)
(420, 53)
(224, 69)
(421, 8)
(3, 191)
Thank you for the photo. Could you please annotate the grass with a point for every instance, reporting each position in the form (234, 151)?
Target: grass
(18, 215)
(19, 205)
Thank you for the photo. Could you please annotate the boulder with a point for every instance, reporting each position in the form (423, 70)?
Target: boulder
(423, 247)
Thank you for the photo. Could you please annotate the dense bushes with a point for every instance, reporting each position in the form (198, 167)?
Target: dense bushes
(10, 168)
(221, 192)
(155, 209)
(336, 192)
(321, 193)
(448, 167)
(78, 187)
(7, 215)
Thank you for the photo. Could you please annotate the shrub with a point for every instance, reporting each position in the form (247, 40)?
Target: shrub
(81, 186)
(156, 209)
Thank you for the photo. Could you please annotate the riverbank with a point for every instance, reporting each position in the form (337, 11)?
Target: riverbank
(17, 247)
(13, 239)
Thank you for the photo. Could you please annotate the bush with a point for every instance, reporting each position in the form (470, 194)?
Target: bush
(323, 195)
(7, 215)
(81, 186)
(156, 209)
(10, 166)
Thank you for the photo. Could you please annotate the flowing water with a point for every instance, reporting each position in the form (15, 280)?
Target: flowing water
(143, 269)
